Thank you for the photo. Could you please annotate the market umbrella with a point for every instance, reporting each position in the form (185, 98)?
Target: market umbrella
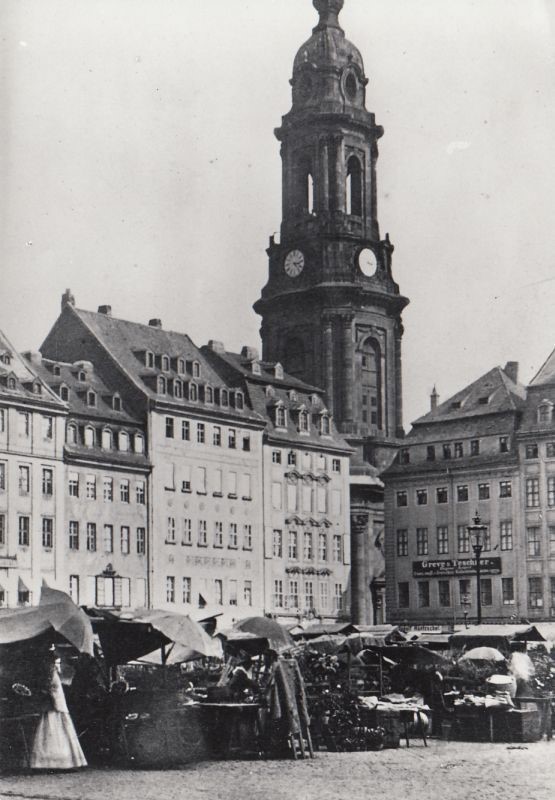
(189, 637)
(278, 637)
(483, 654)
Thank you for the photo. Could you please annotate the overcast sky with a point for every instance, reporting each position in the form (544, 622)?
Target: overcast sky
(138, 166)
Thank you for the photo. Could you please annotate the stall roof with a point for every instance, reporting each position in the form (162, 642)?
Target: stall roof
(319, 629)
(56, 612)
(489, 634)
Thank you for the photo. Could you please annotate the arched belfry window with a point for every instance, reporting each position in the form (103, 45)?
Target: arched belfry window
(306, 186)
(353, 188)
(294, 357)
(371, 383)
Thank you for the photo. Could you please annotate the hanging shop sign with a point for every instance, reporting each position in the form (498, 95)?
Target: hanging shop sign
(458, 566)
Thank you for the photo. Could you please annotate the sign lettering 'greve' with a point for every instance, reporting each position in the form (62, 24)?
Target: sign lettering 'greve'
(449, 566)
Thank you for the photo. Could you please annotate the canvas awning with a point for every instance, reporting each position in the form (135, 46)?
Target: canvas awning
(499, 636)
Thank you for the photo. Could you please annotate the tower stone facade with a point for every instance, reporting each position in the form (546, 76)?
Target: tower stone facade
(331, 310)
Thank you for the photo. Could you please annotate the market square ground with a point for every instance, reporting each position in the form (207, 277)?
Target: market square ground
(448, 770)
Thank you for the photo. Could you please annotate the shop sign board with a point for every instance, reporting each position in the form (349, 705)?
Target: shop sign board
(457, 566)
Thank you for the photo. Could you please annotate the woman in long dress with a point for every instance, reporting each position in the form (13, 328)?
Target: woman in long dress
(55, 744)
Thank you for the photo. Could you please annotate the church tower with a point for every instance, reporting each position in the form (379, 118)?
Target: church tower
(331, 310)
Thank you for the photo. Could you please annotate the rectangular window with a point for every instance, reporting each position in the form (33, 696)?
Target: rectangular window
(247, 537)
(531, 450)
(90, 487)
(307, 546)
(535, 592)
(464, 591)
(423, 594)
(462, 493)
(463, 539)
(140, 492)
(24, 479)
(533, 542)
(335, 465)
(201, 432)
(47, 482)
(124, 539)
(552, 593)
(421, 497)
(486, 591)
(186, 591)
(108, 489)
(91, 537)
(403, 594)
(308, 595)
(323, 546)
(232, 587)
(277, 543)
(246, 443)
(506, 535)
(73, 535)
(170, 589)
(124, 490)
(532, 492)
(551, 490)
(202, 533)
(3, 531)
(337, 548)
(141, 541)
(402, 499)
(446, 451)
(185, 430)
(444, 593)
(324, 597)
(232, 438)
(201, 480)
(483, 491)
(2, 477)
(278, 593)
(170, 530)
(486, 540)
(338, 603)
(430, 453)
(24, 531)
(505, 489)
(422, 541)
(218, 534)
(108, 538)
(169, 427)
(246, 489)
(550, 449)
(404, 456)
(508, 591)
(23, 423)
(474, 447)
(247, 593)
(276, 456)
(219, 592)
(186, 478)
(47, 532)
(293, 551)
(217, 436)
(187, 534)
(503, 444)
(442, 540)
(276, 495)
(2, 420)
(218, 483)
(232, 485)
(74, 588)
(233, 543)
(442, 495)
(73, 484)
(458, 450)
(402, 542)
(551, 540)
(293, 594)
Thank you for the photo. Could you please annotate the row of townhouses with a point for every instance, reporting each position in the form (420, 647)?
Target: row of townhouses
(137, 469)
(488, 450)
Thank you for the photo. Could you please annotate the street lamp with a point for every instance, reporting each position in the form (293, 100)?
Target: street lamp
(477, 532)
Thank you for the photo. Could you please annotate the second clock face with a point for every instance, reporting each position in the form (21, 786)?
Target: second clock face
(367, 262)
(294, 263)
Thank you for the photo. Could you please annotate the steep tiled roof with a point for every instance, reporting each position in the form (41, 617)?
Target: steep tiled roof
(492, 393)
(19, 380)
(546, 373)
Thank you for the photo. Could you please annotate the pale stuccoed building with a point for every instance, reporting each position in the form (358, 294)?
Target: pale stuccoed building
(202, 459)
(32, 430)
(305, 465)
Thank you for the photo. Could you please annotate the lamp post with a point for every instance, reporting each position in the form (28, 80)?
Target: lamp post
(477, 533)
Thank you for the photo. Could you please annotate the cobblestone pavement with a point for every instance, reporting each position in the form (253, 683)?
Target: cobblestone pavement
(448, 770)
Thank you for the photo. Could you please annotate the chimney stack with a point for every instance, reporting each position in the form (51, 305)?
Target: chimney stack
(215, 346)
(155, 323)
(67, 299)
(249, 353)
(511, 370)
(107, 310)
(434, 399)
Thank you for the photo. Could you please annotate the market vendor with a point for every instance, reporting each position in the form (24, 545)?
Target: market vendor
(241, 680)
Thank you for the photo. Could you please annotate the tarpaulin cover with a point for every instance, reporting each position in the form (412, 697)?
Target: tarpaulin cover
(499, 636)
(56, 611)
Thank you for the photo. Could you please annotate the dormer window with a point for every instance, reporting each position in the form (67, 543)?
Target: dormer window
(71, 434)
(161, 385)
(180, 366)
(456, 404)
(269, 391)
(166, 363)
(224, 398)
(196, 369)
(483, 401)
(91, 399)
(325, 425)
(292, 395)
(303, 421)
(82, 376)
(545, 411)
(193, 391)
(139, 443)
(89, 436)
(106, 439)
(6, 358)
(12, 383)
(116, 402)
(209, 394)
(239, 403)
(177, 389)
(37, 388)
(278, 371)
(64, 392)
(149, 359)
(314, 399)
(281, 417)
(255, 368)
(56, 370)
(123, 441)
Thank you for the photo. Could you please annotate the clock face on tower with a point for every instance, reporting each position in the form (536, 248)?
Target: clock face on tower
(367, 262)
(294, 263)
